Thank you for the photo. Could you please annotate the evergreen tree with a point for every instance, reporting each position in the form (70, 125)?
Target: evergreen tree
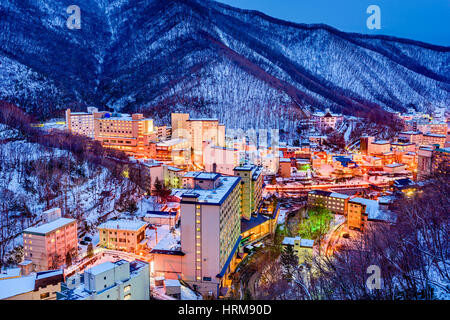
(90, 250)
(289, 261)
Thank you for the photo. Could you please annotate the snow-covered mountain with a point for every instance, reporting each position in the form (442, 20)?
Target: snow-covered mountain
(209, 59)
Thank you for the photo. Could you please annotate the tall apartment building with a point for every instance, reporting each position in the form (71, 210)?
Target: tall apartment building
(131, 134)
(333, 201)
(47, 245)
(126, 235)
(210, 230)
(82, 122)
(120, 280)
(251, 191)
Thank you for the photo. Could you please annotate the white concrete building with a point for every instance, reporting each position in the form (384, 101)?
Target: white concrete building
(120, 280)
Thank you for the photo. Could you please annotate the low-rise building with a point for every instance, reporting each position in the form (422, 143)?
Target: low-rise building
(120, 280)
(359, 211)
(285, 168)
(125, 235)
(48, 245)
(394, 168)
(36, 286)
(303, 248)
(333, 201)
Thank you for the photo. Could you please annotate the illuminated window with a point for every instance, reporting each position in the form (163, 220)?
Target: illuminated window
(127, 297)
(127, 288)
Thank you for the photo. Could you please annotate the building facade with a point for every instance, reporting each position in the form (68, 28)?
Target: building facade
(48, 245)
(120, 280)
(252, 180)
(131, 134)
(333, 201)
(125, 235)
(210, 230)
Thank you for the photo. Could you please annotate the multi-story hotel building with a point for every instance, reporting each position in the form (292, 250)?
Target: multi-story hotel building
(333, 201)
(379, 147)
(205, 130)
(220, 159)
(120, 280)
(210, 230)
(197, 131)
(82, 122)
(425, 156)
(441, 160)
(131, 134)
(430, 139)
(410, 136)
(126, 235)
(47, 245)
(180, 125)
(252, 180)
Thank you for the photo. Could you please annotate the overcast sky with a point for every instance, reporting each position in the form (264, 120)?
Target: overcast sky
(423, 20)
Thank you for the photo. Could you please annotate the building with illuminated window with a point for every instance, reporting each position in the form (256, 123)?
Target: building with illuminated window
(220, 159)
(441, 160)
(326, 120)
(47, 245)
(131, 134)
(120, 280)
(251, 191)
(431, 138)
(333, 201)
(124, 235)
(197, 131)
(210, 230)
(82, 122)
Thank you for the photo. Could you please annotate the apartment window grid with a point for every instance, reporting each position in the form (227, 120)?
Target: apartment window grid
(198, 241)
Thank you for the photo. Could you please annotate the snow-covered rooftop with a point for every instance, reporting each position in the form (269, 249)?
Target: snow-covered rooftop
(122, 224)
(215, 196)
(372, 206)
(98, 269)
(15, 286)
(172, 142)
(49, 227)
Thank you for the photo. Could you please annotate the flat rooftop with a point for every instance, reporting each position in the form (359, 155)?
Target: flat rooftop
(211, 196)
(122, 224)
(49, 227)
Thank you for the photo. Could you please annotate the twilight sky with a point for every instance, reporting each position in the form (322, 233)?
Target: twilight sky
(423, 20)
